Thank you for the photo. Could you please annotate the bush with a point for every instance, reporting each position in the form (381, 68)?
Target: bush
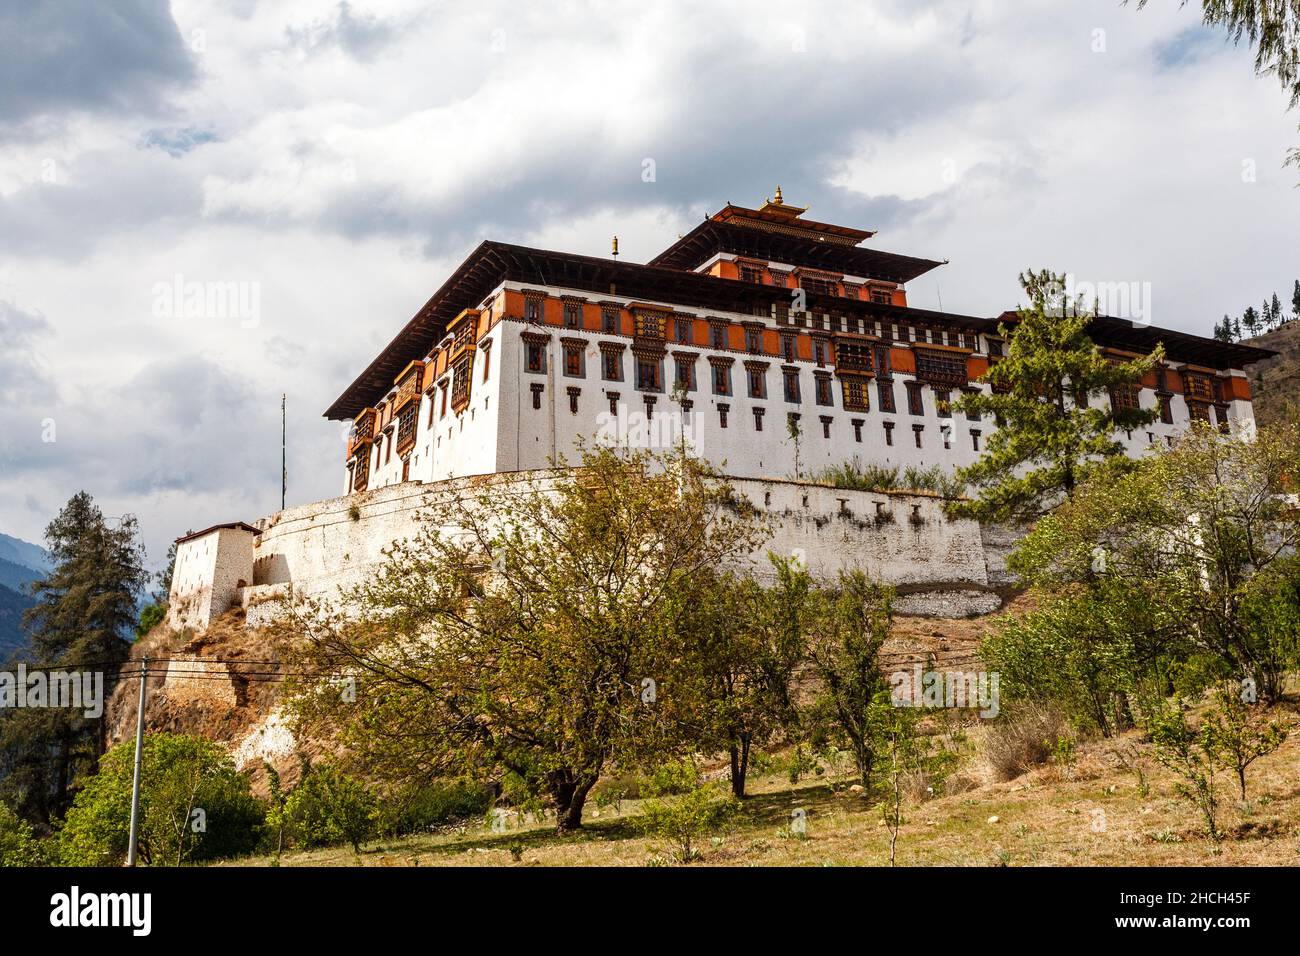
(1023, 739)
(683, 820)
(329, 806)
(18, 844)
(855, 476)
(150, 616)
(423, 807)
(194, 806)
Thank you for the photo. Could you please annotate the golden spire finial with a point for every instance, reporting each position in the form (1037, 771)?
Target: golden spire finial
(777, 200)
(614, 246)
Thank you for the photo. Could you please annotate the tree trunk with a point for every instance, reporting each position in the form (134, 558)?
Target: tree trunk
(739, 766)
(569, 795)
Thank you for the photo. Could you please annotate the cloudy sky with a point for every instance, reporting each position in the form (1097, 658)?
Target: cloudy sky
(332, 162)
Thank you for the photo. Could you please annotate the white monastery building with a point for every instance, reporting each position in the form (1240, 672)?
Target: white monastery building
(770, 344)
(757, 332)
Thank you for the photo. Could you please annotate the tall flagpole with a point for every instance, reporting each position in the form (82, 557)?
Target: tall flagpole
(284, 469)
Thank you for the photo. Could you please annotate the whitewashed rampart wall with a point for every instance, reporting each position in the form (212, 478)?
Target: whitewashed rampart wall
(903, 539)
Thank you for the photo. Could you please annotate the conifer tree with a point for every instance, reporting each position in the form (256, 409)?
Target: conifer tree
(1052, 431)
(83, 618)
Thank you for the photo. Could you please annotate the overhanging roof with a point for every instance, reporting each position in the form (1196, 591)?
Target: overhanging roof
(495, 262)
(1179, 346)
(711, 237)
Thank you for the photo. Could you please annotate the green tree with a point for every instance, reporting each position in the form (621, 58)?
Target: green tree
(164, 577)
(1046, 443)
(19, 846)
(851, 624)
(1295, 301)
(151, 615)
(194, 806)
(1240, 732)
(329, 806)
(1250, 322)
(904, 751)
(84, 616)
(683, 811)
(1188, 753)
(545, 637)
(1085, 649)
(1203, 536)
(748, 643)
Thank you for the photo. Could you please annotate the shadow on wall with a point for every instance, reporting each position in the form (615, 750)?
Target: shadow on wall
(272, 569)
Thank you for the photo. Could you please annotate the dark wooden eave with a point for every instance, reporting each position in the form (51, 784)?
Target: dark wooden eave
(1202, 350)
(711, 237)
(495, 262)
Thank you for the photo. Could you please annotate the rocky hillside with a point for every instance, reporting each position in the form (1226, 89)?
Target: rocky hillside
(1275, 382)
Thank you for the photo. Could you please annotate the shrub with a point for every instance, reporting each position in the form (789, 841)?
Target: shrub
(424, 806)
(150, 616)
(856, 476)
(329, 806)
(18, 844)
(194, 806)
(1025, 738)
(1188, 753)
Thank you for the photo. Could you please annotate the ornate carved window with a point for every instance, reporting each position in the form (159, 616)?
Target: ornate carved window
(856, 396)
(650, 325)
(1124, 397)
(461, 374)
(406, 425)
(853, 355)
(942, 368)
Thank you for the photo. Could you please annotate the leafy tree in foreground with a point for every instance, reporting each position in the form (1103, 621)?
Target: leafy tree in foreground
(1203, 536)
(19, 846)
(1187, 752)
(1240, 732)
(194, 806)
(748, 641)
(328, 806)
(544, 637)
(1045, 445)
(850, 626)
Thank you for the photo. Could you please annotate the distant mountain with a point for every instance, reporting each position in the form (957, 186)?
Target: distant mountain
(1275, 382)
(25, 553)
(12, 606)
(16, 577)
(20, 564)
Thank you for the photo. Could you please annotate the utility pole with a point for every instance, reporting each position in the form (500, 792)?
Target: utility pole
(139, 754)
(284, 468)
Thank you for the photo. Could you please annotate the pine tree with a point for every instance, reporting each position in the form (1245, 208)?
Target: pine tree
(1274, 313)
(84, 615)
(1048, 439)
(1250, 321)
(1295, 300)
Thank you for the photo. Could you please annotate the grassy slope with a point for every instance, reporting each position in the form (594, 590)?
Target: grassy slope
(1045, 817)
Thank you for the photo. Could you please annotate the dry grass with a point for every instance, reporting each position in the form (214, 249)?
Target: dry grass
(1091, 813)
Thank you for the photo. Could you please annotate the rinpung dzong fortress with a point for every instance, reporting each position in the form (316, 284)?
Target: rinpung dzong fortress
(755, 318)
(772, 344)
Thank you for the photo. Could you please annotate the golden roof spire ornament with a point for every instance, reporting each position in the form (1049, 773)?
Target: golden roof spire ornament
(777, 200)
(614, 246)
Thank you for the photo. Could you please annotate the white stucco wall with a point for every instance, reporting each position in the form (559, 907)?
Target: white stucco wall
(316, 550)
(210, 569)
